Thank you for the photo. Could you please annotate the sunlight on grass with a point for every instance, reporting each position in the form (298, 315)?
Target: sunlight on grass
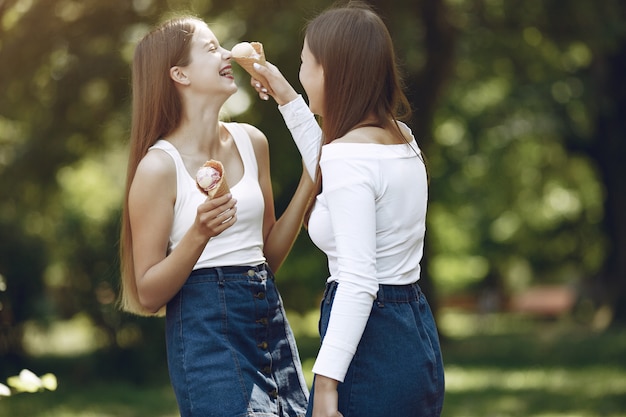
(507, 365)
(496, 365)
(607, 381)
(95, 400)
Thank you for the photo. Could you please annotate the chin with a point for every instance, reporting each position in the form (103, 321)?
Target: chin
(232, 89)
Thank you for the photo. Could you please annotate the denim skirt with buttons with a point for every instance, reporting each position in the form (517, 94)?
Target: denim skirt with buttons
(397, 370)
(230, 349)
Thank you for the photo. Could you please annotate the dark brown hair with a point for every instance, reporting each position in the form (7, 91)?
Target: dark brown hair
(361, 78)
(156, 111)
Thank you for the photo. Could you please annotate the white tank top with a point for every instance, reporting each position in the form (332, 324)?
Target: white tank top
(240, 244)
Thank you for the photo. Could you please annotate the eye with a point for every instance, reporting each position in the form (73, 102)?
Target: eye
(210, 47)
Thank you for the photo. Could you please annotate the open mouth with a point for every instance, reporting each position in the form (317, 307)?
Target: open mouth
(226, 72)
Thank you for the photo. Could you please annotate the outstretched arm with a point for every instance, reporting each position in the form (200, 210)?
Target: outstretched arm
(299, 119)
(280, 238)
(278, 235)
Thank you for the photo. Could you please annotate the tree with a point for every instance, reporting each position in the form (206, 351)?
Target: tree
(519, 112)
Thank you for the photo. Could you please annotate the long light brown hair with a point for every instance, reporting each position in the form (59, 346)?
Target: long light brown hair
(361, 78)
(156, 111)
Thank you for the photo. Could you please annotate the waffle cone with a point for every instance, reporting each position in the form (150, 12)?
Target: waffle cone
(247, 63)
(222, 186)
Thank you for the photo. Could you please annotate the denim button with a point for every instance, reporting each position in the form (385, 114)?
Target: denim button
(262, 321)
(273, 393)
(251, 272)
(262, 345)
(260, 295)
(267, 370)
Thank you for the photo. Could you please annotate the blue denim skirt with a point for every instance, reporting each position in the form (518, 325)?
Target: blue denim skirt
(397, 370)
(230, 349)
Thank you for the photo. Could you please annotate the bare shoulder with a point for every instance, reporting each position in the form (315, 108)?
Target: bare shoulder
(353, 136)
(254, 132)
(156, 174)
(156, 163)
(258, 138)
(365, 134)
(370, 134)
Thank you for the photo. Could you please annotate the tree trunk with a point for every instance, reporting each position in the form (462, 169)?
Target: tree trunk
(425, 87)
(610, 152)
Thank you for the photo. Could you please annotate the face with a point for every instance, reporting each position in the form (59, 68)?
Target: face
(209, 69)
(312, 79)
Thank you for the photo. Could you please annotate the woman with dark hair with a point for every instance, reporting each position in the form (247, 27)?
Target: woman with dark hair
(208, 262)
(380, 353)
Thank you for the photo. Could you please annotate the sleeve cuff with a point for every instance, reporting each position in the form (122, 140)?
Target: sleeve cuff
(296, 112)
(332, 362)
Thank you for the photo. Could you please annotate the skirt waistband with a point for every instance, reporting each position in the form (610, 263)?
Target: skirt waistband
(235, 269)
(386, 293)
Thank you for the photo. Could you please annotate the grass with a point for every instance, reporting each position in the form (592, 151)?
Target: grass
(496, 366)
(519, 367)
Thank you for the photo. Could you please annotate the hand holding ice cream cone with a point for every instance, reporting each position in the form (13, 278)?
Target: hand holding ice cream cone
(247, 54)
(275, 84)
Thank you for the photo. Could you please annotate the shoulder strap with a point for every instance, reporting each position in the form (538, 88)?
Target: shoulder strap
(244, 145)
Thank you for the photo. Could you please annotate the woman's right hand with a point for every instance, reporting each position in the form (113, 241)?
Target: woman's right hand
(325, 398)
(216, 215)
(279, 87)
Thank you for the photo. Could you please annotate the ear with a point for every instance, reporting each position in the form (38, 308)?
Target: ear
(178, 75)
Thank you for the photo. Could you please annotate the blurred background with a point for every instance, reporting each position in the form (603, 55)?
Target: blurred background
(519, 106)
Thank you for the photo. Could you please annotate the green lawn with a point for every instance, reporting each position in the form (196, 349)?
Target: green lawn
(513, 366)
(496, 366)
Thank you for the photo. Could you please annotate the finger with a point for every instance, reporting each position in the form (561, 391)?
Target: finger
(263, 93)
(221, 200)
(268, 69)
(226, 224)
(262, 69)
(226, 214)
(265, 74)
(216, 224)
(211, 203)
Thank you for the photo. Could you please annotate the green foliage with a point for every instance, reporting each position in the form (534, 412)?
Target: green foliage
(516, 193)
(509, 121)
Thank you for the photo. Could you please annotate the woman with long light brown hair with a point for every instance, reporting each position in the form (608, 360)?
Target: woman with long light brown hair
(207, 263)
(380, 353)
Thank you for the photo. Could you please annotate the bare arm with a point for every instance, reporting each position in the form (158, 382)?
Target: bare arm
(278, 235)
(160, 275)
(326, 398)
(301, 122)
(281, 237)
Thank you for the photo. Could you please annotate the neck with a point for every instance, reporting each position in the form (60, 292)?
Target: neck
(197, 138)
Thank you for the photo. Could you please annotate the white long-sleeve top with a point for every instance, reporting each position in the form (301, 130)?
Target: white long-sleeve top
(370, 222)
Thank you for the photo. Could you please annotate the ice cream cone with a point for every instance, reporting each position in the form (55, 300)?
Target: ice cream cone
(247, 62)
(221, 187)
